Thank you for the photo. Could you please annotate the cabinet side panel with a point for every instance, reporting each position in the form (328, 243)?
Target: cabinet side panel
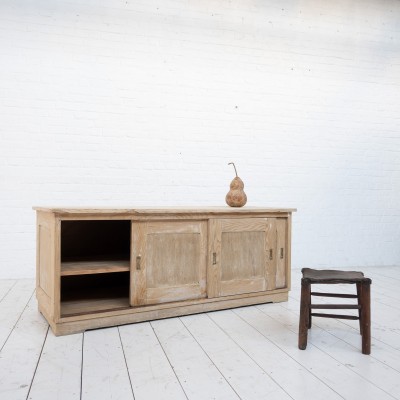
(281, 250)
(45, 269)
(45, 259)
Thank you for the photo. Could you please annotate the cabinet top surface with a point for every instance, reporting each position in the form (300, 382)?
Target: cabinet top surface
(161, 210)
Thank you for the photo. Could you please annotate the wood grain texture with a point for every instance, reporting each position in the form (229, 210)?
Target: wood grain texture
(79, 307)
(172, 261)
(281, 250)
(160, 211)
(241, 250)
(94, 267)
(214, 258)
(138, 264)
(271, 254)
(242, 255)
(98, 320)
(46, 261)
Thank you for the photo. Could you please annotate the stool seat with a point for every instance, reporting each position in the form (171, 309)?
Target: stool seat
(333, 276)
(330, 276)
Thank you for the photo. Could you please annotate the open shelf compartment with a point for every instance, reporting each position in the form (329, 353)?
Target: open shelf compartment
(95, 246)
(95, 266)
(83, 294)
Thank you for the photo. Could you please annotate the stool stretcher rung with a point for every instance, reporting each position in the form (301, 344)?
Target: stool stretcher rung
(336, 306)
(337, 316)
(344, 296)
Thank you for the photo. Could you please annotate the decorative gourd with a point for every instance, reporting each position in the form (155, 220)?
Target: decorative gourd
(236, 197)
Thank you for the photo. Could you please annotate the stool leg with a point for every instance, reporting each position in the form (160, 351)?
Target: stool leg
(366, 317)
(309, 310)
(359, 290)
(304, 313)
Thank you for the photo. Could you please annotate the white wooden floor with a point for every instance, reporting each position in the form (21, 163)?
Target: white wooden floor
(246, 353)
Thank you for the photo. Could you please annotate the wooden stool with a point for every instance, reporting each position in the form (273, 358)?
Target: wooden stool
(363, 284)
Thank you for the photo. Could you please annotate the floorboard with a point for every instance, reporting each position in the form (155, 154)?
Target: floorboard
(58, 374)
(12, 306)
(5, 286)
(104, 371)
(199, 376)
(152, 374)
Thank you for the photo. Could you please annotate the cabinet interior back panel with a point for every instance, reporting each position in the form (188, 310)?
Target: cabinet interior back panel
(95, 240)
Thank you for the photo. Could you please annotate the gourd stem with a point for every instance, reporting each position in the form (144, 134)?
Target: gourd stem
(233, 167)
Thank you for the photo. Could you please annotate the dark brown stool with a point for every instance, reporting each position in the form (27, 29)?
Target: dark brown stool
(363, 306)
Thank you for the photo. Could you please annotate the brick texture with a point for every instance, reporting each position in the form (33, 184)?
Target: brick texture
(145, 102)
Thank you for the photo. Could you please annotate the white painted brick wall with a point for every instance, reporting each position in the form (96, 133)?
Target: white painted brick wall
(108, 102)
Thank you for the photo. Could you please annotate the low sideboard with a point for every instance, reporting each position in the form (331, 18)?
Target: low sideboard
(106, 267)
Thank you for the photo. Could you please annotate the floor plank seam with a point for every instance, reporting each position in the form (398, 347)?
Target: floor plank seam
(169, 361)
(126, 364)
(83, 342)
(312, 373)
(16, 322)
(8, 291)
(337, 337)
(207, 355)
(244, 351)
(37, 364)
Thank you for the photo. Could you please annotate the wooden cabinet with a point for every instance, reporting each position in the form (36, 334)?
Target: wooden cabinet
(105, 267)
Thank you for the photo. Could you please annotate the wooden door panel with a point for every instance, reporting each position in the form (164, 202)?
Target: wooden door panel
(242, 255)
(172, 257)
(168, 258)
(241, 286)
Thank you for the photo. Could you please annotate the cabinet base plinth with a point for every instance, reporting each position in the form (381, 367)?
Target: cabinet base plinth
(81, 323)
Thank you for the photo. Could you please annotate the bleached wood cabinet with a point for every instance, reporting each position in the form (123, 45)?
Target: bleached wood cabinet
(105, 267)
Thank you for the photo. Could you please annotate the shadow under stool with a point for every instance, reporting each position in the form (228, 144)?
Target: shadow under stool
(326, 277)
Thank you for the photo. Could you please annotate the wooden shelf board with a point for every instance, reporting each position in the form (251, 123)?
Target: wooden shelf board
(93, 267)
(87, 306)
